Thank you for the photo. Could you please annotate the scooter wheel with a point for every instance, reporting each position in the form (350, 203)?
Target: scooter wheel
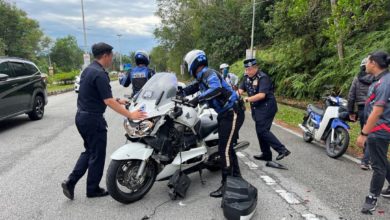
(340, 145)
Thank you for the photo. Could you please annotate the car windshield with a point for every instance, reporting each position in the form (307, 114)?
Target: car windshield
(161, 86)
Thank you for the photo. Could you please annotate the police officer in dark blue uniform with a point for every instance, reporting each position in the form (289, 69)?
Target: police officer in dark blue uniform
(94, 95)
(140, 74)
(220, 96)
(263, 104)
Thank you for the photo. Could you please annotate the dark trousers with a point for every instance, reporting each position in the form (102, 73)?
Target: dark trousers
(93, 130)
(229, 124)
(264, 117)
(378, 150)
(366, 152)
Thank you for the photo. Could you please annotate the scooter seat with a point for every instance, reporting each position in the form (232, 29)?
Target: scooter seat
(316, 110)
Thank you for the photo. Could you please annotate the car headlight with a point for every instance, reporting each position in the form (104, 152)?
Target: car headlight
(139, 129)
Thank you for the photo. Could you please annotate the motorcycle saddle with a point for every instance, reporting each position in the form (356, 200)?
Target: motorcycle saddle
(316, 110)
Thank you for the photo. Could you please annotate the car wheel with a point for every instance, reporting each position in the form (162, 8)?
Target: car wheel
(38, 109)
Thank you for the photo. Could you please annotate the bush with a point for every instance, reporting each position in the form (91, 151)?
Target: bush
(64, 78)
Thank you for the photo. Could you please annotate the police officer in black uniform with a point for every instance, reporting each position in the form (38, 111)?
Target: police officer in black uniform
(94, 95)
(224, 100)
(263, 104)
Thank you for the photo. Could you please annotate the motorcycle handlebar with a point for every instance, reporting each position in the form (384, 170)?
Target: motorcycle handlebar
(182, 101)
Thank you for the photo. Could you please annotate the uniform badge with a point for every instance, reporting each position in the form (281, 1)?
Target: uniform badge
(255, 83)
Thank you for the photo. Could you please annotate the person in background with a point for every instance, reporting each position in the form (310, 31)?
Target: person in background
(230, 78)
(376, 132)
(140, 74)
(357, 96)
(94, 97)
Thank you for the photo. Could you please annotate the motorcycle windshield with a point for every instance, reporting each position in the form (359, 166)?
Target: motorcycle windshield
(161, 88)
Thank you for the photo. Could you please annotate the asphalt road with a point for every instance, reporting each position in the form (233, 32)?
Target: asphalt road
(36, 156)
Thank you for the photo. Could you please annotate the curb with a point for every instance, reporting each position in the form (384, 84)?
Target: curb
(59, 91)
(346, 156)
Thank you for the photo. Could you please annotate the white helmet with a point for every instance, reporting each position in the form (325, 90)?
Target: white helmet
(223, 66)
(194, 59)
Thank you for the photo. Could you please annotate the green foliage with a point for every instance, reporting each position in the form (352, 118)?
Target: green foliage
(66, 54)
(19, 35)
(221, 28)
(65, 77)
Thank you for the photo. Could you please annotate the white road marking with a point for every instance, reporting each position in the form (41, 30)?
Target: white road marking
(310, 217)
(240, 155)
(251, 165)
(289, 197)
(268, 180)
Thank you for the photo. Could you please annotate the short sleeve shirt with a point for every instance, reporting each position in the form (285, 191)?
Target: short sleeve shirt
(94, 89)
(379, 95)
(260, 83)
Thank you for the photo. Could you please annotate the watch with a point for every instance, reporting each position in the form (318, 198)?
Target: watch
(364, 134)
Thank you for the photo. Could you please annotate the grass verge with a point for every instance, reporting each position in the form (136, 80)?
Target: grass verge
(56, 88)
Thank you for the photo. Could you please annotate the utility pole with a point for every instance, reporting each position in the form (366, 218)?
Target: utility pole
(253, 27)
(120, 54)
(86, 54)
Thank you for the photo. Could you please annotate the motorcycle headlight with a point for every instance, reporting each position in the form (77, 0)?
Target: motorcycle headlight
(139, 129)
(344, 103)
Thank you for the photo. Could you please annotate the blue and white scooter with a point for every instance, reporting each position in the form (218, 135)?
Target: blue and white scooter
(329, 125)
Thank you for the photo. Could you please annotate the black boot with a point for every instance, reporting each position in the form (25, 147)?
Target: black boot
(68, 189)
(217, 193)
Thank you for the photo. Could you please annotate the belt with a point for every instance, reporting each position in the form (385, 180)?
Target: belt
(89, 113)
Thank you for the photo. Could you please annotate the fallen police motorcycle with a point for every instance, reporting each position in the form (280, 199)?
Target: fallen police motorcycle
(329, 125)
(187, 134)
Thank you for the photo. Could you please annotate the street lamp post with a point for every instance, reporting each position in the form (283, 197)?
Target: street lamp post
(253, 26)
(120, 54)
(86, 55)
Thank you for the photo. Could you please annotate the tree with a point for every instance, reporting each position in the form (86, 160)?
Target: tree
(66, 54)
(19, 35)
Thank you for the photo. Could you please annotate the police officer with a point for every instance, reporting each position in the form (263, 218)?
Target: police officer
(220, 96)
(230, 78)
(261, 97)
(94, 95)
(140, 74)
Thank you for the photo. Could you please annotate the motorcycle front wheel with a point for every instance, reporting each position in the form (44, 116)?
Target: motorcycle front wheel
(340, 144)
(123, 184)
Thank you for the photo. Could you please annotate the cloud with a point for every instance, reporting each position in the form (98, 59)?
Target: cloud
(134, 19)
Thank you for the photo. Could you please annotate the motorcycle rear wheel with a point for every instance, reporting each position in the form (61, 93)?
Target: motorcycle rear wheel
(337, 149)
(122, 183)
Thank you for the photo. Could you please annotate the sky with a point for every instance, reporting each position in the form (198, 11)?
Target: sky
(105, 19)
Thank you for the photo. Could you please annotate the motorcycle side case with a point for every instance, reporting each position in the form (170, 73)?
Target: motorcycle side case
(239, 199)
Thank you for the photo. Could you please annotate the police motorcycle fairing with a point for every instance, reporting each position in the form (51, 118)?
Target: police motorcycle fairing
(328, 124)
(185, 136)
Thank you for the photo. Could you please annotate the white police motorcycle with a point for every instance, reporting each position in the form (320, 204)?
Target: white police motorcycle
(186, 134)
(329, 125)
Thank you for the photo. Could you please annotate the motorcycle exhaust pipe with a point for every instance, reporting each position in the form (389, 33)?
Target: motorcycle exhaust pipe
(304, 129)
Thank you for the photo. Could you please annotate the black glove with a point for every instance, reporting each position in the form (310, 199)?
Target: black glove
(194, 102)
(180, 91)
